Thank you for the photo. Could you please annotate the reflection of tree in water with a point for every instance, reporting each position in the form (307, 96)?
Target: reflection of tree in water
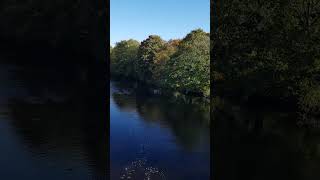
(124, 102)
(64, 127)
(76, 123)
(188, 122)
(256, 144)
(56, 79)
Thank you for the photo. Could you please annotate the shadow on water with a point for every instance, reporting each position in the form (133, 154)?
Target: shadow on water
(253, 143)
(53, 125)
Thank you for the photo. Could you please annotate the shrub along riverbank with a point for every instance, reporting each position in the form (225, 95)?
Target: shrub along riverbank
(180, 65)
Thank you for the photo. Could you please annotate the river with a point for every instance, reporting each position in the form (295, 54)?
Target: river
(157, 137)
(44, 132)
(48, 131)
(259, 142)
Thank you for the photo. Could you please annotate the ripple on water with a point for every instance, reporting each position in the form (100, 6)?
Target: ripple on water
(140, 170)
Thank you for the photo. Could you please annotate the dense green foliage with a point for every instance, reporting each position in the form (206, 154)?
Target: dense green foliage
(269, 49)
(123, 57)
(77, 25)
(146, 62)
(182, 65)
(189, 68)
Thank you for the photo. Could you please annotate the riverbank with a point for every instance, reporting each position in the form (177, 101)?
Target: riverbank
(154, 90)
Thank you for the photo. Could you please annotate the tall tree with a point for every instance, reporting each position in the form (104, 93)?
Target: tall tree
(123, 57)
(147, 57)
(189, 69)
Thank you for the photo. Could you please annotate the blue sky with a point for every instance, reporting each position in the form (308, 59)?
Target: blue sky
(137, 19)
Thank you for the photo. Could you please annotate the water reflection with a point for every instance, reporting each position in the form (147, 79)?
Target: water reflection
(49, 129)
(255, 143)
(174, 137)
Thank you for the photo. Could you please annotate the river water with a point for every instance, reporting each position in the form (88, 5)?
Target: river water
(44, 133)
(157, 138)
(48, 132)
(263, 142)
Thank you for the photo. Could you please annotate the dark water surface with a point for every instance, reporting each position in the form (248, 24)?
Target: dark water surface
(263, 143)
(157, 138)
(46, 131)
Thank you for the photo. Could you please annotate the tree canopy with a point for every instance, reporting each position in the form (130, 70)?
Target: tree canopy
(182, 65)
(269, 49)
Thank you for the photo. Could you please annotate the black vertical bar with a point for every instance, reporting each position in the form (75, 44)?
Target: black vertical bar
(214, 25)
(211, 84)
(108, 76)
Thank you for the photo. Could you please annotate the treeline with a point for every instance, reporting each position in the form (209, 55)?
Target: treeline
(182, 65)
(262, 50)
(268, 49)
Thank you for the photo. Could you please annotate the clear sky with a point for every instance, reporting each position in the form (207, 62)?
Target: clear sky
(137, 19)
